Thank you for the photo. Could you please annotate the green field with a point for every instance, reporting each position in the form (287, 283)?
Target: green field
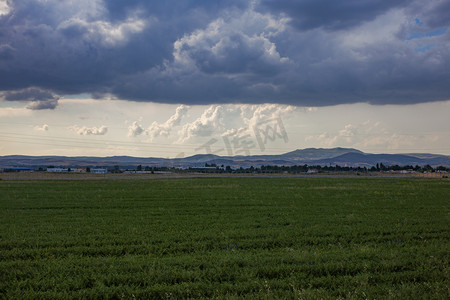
(293, 238)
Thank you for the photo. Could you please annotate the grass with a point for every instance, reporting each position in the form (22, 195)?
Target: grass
(295, 238)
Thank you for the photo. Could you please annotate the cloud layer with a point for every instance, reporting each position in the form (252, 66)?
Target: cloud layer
(237, 126)
(306, 52)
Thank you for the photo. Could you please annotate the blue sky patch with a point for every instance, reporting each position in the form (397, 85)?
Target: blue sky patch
(419, 35)
(425, 48)
(418, 22)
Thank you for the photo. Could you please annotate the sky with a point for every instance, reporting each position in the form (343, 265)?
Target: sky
(178, 78)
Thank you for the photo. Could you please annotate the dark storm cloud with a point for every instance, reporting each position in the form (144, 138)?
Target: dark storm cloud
(298, 52)
(330, 14)
(30, 94)
(80, 46)
(38, 99)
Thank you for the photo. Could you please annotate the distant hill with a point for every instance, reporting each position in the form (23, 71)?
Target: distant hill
(310, 156)
(319, 153)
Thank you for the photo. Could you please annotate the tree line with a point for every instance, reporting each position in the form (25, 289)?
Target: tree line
(295, 169)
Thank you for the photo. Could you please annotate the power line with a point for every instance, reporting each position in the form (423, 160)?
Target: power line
(107, 141)
(93, 142)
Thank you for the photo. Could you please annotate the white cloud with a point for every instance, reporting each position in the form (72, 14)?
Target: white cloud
(164, 129)
(235, 120)
(4, 8)
(102, 130)
(135, 129)
(206, 125)
(252, 115)
(235, 44)
(159, 129)
(106, 33)
(41, 128)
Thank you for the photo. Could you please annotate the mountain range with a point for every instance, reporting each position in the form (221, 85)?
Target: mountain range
(310, 156)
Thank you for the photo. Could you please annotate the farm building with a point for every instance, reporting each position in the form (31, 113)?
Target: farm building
(58, 170)
(99, 171)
